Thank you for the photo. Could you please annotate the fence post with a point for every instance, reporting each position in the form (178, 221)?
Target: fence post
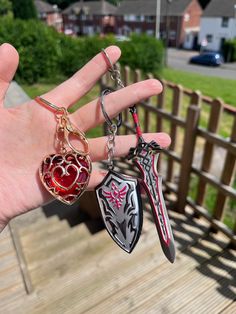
(196, 98)
(213, 125)
(126, 83)
(161, 100)
(187, 156)
(177, 100)
(226, 177)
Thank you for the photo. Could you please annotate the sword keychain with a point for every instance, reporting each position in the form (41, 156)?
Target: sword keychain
(145, 156)
(118, 195)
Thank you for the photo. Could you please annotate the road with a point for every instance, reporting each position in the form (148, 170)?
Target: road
(178, 59)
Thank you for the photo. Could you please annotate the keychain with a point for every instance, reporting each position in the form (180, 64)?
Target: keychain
(145, 156)
(119, 196)
(65, 174)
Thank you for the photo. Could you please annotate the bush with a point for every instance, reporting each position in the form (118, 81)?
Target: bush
(76, 52)
(143, 52)
(229, 50)
(37, 46)
(44, 53)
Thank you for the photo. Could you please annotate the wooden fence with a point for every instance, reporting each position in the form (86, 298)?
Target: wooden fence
(199, 166)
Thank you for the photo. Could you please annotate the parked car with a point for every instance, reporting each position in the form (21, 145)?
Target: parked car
(208, 58)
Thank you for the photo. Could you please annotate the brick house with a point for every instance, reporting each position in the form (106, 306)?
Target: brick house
(218, 24)
(50, 14)
(181, 18)
(88, 18)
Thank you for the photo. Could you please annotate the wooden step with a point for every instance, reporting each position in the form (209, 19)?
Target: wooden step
(230, 309)
(148, 288)
(40, 226)
(50, 230)
(185, 286)
(95, 276)
(55, 253)
(101, 267)
(10, 276)
(105, 275)
(220, 274)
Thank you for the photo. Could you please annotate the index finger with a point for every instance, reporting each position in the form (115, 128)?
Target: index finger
(70, 91)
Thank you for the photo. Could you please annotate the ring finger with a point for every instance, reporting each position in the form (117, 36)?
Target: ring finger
(123, 143)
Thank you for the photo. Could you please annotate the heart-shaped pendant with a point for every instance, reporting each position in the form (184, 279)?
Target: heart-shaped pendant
(65, 176)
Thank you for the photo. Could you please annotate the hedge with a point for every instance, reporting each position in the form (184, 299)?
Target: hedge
(45, 53)
(229, 50)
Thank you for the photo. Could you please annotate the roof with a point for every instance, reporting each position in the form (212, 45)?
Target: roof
(220, 8)
(44, 7)
(148, 7)
(91, 8)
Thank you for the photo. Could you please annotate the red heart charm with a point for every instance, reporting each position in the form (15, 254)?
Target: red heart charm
(66, 176)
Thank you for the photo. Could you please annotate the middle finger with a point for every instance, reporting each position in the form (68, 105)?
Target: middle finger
(91, 114)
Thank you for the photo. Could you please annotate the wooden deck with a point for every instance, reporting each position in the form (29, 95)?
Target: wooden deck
(74, 271)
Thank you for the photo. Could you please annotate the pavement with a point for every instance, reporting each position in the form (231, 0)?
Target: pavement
(178, 59)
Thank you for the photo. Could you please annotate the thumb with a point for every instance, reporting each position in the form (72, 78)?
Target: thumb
(9, 60)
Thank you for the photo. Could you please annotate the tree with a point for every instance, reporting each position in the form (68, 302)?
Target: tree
(5, 7)
(24, 9)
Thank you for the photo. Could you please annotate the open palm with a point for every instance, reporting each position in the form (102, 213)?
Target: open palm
(27, 132)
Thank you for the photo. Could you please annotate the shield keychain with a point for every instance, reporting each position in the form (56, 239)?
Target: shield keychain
(145, 156)
(118, 196)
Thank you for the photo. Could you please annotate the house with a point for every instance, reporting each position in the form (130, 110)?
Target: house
(88, 18)
(218, 23)
(50, 14)
(181, 18)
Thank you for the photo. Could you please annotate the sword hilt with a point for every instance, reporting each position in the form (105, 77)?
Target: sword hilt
(150, 148)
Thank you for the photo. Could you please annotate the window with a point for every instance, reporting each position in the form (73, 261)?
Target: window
(225, 22)
(72, 17)
(133, 18)
(150, 18)
(209, 38)
(129, 18)
(150, 32)
(172, 35)
(139, 18)
(186, 17)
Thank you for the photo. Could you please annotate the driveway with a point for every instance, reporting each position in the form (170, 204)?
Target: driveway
(178, 59)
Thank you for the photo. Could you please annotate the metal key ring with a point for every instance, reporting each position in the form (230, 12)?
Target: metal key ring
(106, 116)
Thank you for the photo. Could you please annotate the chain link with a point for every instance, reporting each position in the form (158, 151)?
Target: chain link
(112, 130)
(116, 76)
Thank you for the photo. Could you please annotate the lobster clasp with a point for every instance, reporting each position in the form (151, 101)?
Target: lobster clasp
(70, 131)
(66, 131)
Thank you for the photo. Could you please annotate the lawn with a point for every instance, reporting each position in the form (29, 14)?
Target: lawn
(209, 86)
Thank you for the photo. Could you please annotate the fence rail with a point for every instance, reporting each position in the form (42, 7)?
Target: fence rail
(199, 166)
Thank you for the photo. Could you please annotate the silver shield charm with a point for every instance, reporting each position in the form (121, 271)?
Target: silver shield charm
(120, 203)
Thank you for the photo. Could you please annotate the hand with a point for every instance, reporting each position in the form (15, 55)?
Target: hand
(27, 132)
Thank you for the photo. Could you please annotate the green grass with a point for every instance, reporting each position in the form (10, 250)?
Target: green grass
(210, 201)
(209, 86)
